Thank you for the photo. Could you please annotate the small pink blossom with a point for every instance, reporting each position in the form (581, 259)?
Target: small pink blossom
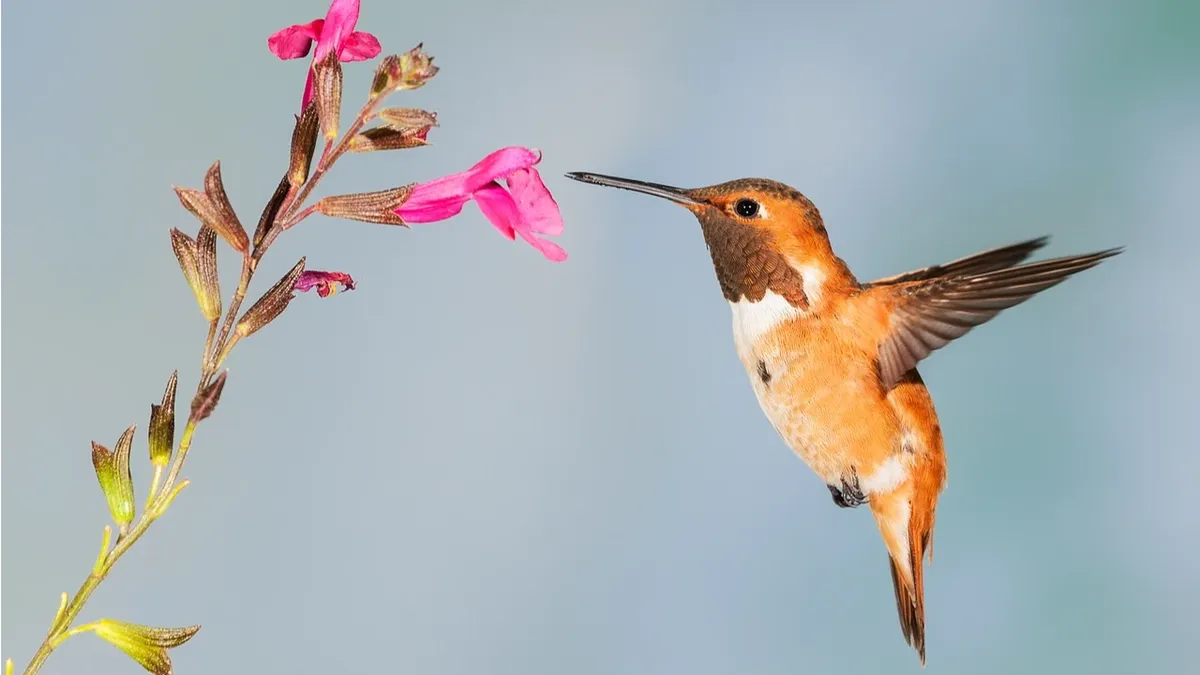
(325, 282)
(524, 207)
(334, 33)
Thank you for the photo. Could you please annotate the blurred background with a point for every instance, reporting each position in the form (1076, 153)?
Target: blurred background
(483, 462)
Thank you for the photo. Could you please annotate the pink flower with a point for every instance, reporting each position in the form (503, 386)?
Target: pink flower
(525, 207)
(334, 33)
(324, 282)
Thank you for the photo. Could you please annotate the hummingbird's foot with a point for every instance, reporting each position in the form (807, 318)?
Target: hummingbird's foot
(848, 495)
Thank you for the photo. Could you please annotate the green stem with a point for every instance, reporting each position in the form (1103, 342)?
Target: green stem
(61, 630)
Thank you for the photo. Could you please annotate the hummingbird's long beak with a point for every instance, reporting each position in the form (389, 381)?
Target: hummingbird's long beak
(677, 195)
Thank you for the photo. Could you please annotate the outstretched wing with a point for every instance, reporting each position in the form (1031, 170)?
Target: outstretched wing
(987, 261)
(927, 312)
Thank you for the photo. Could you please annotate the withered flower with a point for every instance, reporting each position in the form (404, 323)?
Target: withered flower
(326, 283)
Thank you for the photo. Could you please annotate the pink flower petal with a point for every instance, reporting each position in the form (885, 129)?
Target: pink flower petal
(525, 207)
(431, 206)
(339, 25)
(444, 197)
(360, 46)
(552, 251)
(499, 164)
(294, 42)
(499, 208)
(538, 209)
(308, 90)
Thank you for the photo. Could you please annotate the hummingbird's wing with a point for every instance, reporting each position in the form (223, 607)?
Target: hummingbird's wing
(927, 313)
(987, 261)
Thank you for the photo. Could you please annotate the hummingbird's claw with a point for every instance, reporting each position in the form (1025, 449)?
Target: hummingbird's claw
(848, 495)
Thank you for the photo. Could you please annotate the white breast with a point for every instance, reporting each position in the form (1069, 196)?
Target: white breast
(753, 320)
(753, 326)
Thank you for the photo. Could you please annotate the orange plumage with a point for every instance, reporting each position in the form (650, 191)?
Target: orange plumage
(833, 361)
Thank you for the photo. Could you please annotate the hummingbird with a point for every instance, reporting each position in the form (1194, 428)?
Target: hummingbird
(833, 361)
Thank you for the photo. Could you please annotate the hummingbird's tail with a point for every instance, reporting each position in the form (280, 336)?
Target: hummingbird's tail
(906, 514)
(907, 530)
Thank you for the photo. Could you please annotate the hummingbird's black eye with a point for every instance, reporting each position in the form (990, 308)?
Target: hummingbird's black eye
(746, 208)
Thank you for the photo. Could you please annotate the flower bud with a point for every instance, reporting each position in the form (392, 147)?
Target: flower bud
(144, 644)
(112, 470)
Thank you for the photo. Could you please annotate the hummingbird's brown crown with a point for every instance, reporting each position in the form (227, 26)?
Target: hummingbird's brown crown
(758, 232)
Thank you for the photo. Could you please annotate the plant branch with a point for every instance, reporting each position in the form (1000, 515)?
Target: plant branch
(220, 341)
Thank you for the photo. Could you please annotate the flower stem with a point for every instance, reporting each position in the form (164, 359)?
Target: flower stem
(60, 630)
(217, 346)
(208, 345)
(158, 499)
(298, 217)
(249, 263)
(329, 157)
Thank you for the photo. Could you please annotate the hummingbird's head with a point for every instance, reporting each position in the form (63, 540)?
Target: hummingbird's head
(755, 203)
(757, 230)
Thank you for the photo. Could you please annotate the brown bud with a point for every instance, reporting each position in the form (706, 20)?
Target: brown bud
(371, 207)
(144, 644)
(304, 144)
(271, 211)
(405, 71)
(271, 304)
(162, 425)
(206, 401)
(206, 267)
(213, 210)
(187, 253)
(381, 138)
(416, 68)
(229, 226)
(387, 72)
(327, 79)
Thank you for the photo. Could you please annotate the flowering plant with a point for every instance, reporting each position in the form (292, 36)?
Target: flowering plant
(521, 205)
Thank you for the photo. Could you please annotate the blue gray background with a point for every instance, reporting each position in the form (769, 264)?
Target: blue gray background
(482, 462)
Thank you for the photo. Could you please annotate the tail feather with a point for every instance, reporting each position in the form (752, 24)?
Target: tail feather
(906, 515)
(911, 610)
(906, 522)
